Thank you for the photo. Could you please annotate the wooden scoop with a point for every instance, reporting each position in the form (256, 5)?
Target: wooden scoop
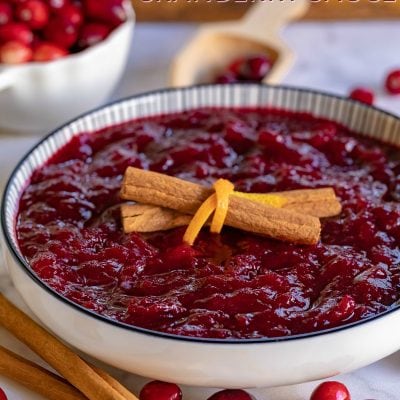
(216, 45)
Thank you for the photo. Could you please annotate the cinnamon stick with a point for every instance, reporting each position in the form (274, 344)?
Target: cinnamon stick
(115, 384)
(36, 378)
(321, 202)
(186, 197)
(55, 353)
(146, 218)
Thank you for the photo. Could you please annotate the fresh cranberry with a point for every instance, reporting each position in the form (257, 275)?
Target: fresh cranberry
(227, 77)
(71, 14)
(235, 66)
(48, 52)
(331, 390)
(392, 82)
(256, 68)
(364, 95)
(231, 394)
(6, 13)
(108, 11)
(253, 68)
(15, 53)
(61, 32)
(16, 32)
(57, 4)
(34, 13)
(93, 33)
(157, 390)
(3, 395)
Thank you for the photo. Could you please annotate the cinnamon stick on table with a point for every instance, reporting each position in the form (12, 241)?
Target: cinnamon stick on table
(36, 378)
(151, 188)
(68, 364)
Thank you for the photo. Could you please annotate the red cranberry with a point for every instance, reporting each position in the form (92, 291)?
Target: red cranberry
(61, 32)
(71, 14)
(257, 67)
(235, 66)
(16, 32)
(227, 77)
(253, 68)
(15, 53)
(6, 13)
(35, 13)
(57, 4)
(3, 395)
(93, 33)
(364, 95)
(157, 390)
(331, 390)
(231, 394)
(108, 11)
(393, 82)
(48, 52)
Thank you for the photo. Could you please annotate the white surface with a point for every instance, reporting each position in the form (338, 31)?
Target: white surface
(332, 57)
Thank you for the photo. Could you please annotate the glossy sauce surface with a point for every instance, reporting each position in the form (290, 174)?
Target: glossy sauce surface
(233, 285)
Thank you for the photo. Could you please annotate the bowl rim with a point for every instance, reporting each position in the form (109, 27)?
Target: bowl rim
(24, 265)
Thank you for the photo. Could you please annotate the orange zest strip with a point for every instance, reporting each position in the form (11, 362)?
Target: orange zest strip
(223, 189)
(219, 202)
(199, 219)
(270, 199)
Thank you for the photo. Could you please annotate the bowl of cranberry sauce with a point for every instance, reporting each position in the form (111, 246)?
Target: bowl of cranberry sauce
(278, 312)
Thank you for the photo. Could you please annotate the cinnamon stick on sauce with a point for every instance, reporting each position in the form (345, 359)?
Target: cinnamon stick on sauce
(319, 203)
(166, 192)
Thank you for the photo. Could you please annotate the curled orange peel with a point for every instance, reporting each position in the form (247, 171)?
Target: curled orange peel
(219, 204)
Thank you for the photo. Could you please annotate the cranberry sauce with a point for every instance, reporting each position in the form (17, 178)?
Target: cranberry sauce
(233, 285)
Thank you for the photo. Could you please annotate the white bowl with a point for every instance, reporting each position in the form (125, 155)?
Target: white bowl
(193, 361)
(39, 96)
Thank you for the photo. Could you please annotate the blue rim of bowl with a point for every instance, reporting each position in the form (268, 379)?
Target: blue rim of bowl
(23, 264)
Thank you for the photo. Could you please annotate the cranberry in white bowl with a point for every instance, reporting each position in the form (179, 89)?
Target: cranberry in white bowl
(59, 58)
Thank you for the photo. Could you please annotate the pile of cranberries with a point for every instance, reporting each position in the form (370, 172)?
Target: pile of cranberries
(246, 69)
(44, 30)
(254, 68)
(156, 390)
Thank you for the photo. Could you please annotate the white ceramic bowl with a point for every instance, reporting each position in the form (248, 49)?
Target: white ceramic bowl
(39, 96)
(193, 361)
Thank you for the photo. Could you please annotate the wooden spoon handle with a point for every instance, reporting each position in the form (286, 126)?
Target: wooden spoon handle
(267, 16)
